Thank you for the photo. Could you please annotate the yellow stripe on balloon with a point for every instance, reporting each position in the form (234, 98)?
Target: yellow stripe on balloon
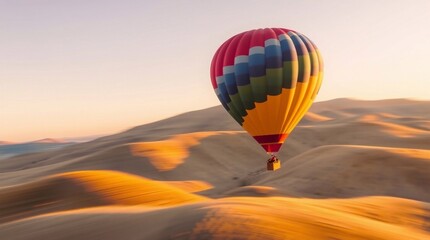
(259, 112)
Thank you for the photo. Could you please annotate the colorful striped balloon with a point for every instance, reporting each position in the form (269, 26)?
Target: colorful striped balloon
(267, 79)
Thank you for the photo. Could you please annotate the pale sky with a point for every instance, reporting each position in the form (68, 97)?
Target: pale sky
(72, 68)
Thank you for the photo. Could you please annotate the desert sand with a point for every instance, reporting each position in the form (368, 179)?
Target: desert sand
(352, 169)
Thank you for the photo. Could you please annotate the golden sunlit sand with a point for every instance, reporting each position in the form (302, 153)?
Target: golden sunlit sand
(168, 154)
(351, 170)
(74, 190)
(238, 218)
(313, 117)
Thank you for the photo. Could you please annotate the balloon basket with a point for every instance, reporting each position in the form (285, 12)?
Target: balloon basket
(273, 165)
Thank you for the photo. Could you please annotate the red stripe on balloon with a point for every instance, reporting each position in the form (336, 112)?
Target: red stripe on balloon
(280, 31)
(269, 34)
(231, 50)
(271, 148)
(257, 39)
(219, 60)
(243, 47)
(213, 75)
(274, 138)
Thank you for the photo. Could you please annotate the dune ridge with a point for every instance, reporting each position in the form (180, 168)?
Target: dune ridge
(74, 190)
(343, 171)
(167, 154)
(238, 218)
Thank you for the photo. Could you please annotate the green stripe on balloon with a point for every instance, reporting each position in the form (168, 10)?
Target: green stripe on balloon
(259, 88)
(274, 81)
(304, 68)
(237, 102)
(234, 114)
(245, 93)
(290, 74)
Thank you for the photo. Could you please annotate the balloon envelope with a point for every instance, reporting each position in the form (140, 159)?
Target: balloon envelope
(267, 79)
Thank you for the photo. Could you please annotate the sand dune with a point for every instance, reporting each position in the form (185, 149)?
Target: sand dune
(237, 218)
(253, 191)
(424, 125)
(313, 117)
(82, 189)
(190, 186)
(205, 163)
(335, 114)
(400, 107)
(168, 154)
(217, 159)
(49, 140)
(392, 128)
(351, 170)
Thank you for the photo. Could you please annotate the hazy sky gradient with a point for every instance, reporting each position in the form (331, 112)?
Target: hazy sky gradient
(84, 67)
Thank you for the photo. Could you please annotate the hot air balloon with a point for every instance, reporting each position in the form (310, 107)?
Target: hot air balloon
(267, 79)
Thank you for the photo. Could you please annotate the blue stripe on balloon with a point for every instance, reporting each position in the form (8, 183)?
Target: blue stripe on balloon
(286, 51)
(224, 104)
(241, 68)
(256, 60)
(274, 62)
(241, 71)
(230, 82)
(273, 56)
(242, 79)
(257, 71)
(273, 51)
(224, 93)
(297, 45)
(257, 65)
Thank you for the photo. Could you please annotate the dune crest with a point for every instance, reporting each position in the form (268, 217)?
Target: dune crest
(125, 189)
(84, 189)
(167, 154)
(270, 218)
(190, 186)
(285, 218)
(392, 128)
(350, 171)
(315, 118)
